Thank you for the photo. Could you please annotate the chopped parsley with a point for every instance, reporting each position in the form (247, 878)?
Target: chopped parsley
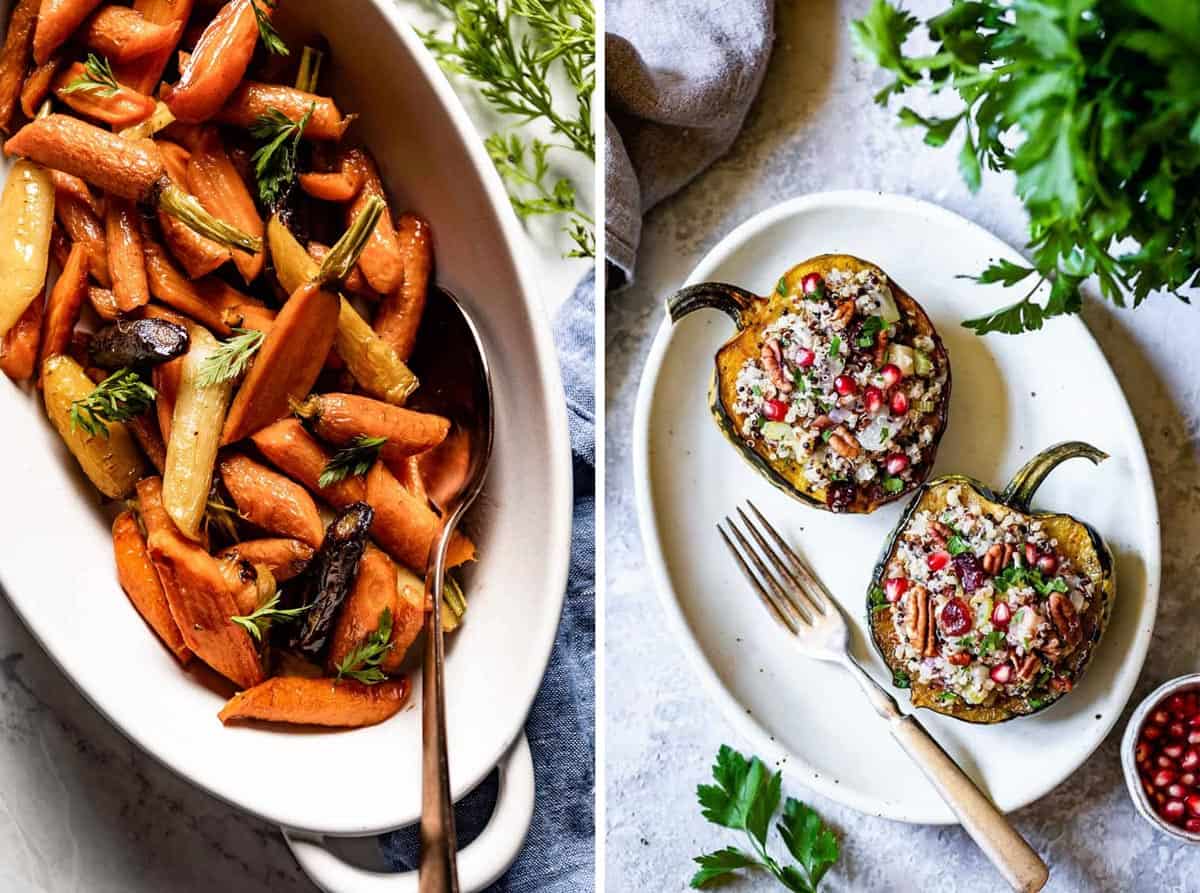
(1042, 678)
(900, 679)
(871, 328)
(993, 641)
(1037, 703)
(947, 697)
(781, 286)
(892, 485)
(878, 598)
(1023, 576)
(884, 434)
(968, 643)
(957, 545)
(826, 434)
(756, 391)
(835, 345)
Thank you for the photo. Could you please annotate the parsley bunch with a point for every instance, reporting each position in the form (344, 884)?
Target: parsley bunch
(745, 798)
(1094, 105)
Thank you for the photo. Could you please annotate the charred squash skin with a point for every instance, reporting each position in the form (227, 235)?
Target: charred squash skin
(750, 314)
(1077, 539)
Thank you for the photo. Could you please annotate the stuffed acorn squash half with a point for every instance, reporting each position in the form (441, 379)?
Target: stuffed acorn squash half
(835, 387)
(985, 609)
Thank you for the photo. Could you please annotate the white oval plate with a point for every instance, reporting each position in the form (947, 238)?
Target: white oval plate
(56, 560)
(810, 715)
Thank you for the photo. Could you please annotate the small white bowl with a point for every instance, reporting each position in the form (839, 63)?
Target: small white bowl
(1129, 743)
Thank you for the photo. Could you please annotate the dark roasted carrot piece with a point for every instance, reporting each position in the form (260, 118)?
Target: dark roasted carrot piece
(380, 260)
(318, 702)
(122, 108)
(84, 227)
(405, 526)
(199, 596)
(56, 22)
(121, 34)
(339, 186)
(145, 73)
(126, 262)
(15, 56)
(140, 581)
(399, 315)
(213, 179)
(144, 429)
(65, 303)
(284, 558)
(294, 451)
(198, 255)
(355, 283)
(104, 302)
(251, 100)
(37, 85)
(217, 63)
(271, 501)
(19, 347)
(339, 418)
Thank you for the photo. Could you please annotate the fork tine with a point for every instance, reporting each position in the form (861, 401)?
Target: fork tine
(767, 576)
(797, 562)
(802, 597)
(766, 597)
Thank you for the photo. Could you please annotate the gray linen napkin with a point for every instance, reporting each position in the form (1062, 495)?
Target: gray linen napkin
(680, 77)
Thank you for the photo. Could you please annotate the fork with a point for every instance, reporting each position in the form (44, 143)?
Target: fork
(802, 605)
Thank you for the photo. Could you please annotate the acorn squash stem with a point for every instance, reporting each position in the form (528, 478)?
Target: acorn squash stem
(729, 299)
(1019, 493)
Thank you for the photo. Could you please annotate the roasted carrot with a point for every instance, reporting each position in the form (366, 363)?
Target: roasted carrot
(65, 303)
(355, 283)
(251, 100)
(249, 316)
(14, 58)
(410, 477)
(217, 63)
(284, 558)
(339, 418)
(295, 452)
(405, 526)
(139, 579)
(375, 591)
(144, 73)
(408, 619)
(380, 261)
(26, 224)
(19, 347)
(242, 578)
(122, 107)
(318, 702)
(66, 185)
(104, 302)
(126, 263)
(445, 467)
(144, 429)
(271, 501)
(56, 22)
(399, 315)
(205, 300)
(166, 381)
(198, 256)
(213, 179)
(37, 85)
(121, 34)
(338, 186)
(199, 597)
(84, 227)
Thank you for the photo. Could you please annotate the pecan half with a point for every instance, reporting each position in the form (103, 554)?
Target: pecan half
(940, 532)
(997, 558)
(1066, 621)
(772, 360)
(821, 422)
(843, 314)
(881, 344)
(845, 444)
(1029, 667)
(917, 623)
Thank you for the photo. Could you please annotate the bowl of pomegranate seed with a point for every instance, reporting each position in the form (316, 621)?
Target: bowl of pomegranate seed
(1160, 754)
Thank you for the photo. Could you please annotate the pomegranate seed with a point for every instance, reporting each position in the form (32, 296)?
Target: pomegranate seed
(1148, 787)
(1165, 777)
(1192, 826)
(1194, 722)
(1173, 810)
(1001, 674)
(899, 402)
(873, 399)
(812, 283)
(1177, 730)
(1191, 703)
(956, 617)
(892, 375)
(1152, 733)
(1188, 779)
(1141, 753)
(1047, 564)
(937, 560)
(894, 588)
(1161, 717)
(1194, 737)
(1177, 790)
(1165, 762)
(1176, 706)
(805, 358)
(1001, 614)
(896, 463)
(1174, 751)
(1190, 760)
(1193, 804)
(775, 410)
(959, 659)
(845, 385)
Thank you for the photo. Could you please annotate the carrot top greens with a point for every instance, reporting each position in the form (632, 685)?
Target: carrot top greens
(119, 398)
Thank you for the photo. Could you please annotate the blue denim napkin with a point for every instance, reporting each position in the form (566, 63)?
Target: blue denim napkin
(559, 854)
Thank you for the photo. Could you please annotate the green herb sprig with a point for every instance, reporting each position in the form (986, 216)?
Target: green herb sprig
(97, 78)
(266, 31)
(745, 798)
(231, 359)
(275, 160)
(353, 460)
(362, 663)
(120, 397)
(1094, 107)
(260, 621)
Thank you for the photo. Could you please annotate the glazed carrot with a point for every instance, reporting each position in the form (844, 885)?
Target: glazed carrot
(284, 558)
(126, 263)
(205, 300)
(65, 303)
(37, 85)
(139, 579)
(380, 261)
(104, 302)
(339, 418)
(68, 186)
(318, 702)
(198, 255)
(295, 452)
(166, 381)
(15, 56)
(251, 100)
(405, 526)
(445, 467)
(145, 73)
(249, 316)
(271, 501)
(355, 283)
(399, 314)
(26, 222)
(243, 580)
(144, 429)
(122, 107)
(217, 63)
(410, 477)
(338, 186)
(213, 179)
(84, 227)
(56, 22)
(375, 590)
(121, 34)
(408, 619)
(19, 347)
(199, 597)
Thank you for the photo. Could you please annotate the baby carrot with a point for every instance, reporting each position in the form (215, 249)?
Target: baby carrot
(198, 255)
(121, 34)
(144, 73)
(70, 186)
(399, 314)
(218, 62)
(126, 263)
(19, 347)
(251, 100)
(56, 22)
(15, 56)
(166, 378)
(294, 451)
(318, 702)
(120, 106)
(354, 283)
(271, 501)
(409, 475)
(208, 300)
(408, 619)
(339, 418)
(84, 227)
(212, 177)
(104, 302)
(375, 591)
(66, 301)
(139, 579)
(144, 429)
(26, 220)
(380, 261)
(284, 558)
(338, 186)
(405, 526)
(37, 85)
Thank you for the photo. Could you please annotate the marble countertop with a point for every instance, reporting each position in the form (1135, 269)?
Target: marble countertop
(663, 732)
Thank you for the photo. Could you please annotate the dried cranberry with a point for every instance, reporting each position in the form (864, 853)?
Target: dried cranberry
(970, 572)
(956, 617)
(840, 495)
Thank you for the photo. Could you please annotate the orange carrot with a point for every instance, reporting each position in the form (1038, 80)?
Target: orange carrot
(37, 85)
(375, 590)
(218, 62)
(380, 260)
(399, 314)
(271, 501)
(294, 451)
(339, 186)
(144, 429)
(197, 593)
(67, 184)
(249, 316)
(121, 34)
(284, 558)
(84, 228)
(19, 347)
(140, 581)
(56, 22)
(445, 467)
(121, 108)
(15, 56)
(405, 526)
(288, 362)
(410, 477)
(126, 263)
(408, 619)
(198, 255)
(205, 300)
(339, 418)
(318, 702)
(166, 378)
(104, 302)
(355, 283)
(251, 100)
(145, 73)
(66, 301)
(213, 179)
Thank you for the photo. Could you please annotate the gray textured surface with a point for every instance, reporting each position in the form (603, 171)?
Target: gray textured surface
(814, 128)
